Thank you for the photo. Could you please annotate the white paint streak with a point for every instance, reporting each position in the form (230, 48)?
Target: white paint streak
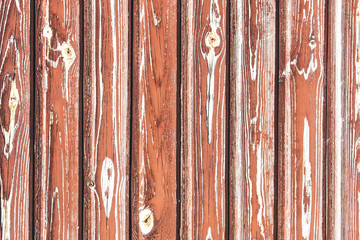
(336, 68)
(209, 236)
(107, 184)
(5, 218)
(13, 104)
(253, 67)
(307, 185)
(69, 56)
(212, 41)
(259, 184)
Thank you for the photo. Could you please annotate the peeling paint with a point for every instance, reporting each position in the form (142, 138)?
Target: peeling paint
(208, 235)
(212, 41)
(13, 104)
(307, 185)
(5, 218)
(107, 184)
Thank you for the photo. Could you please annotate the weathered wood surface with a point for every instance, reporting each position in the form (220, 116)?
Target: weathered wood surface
(106, 122)
(336, 131)
(343, 126)
(154, 131)
(14, 119)
(252, 151)
(301, 119)
(56, 192)
(204, 121)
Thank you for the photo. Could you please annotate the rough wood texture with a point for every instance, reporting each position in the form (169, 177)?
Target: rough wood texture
(343, 128)
(106, 120)
(14, 119)
(154, 137)
(57, 119)
(336, 146)
(204, 121)
(252, 64)
(301, 116)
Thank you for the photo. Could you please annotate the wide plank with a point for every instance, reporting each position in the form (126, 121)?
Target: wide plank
(252, 102)
(56, 119)
(15, 83)
(154, 119)
(203, 119)
(106, 124)
(301, 118)
(343, 125)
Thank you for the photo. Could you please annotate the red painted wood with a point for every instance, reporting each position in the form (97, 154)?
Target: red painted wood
(252, 103)
(343, 128)
(14, 119)
(204, 121)
(106, 126)
(301, 119)
(57, 119)
(154, 131)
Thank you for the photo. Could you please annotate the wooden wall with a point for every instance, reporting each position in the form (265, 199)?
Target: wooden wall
(188, 119)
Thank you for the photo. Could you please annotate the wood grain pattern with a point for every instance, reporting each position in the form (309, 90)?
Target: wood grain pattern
(204, 107)
(301, 118)
(14, 119)
(343, 127)
(106, 120)
(57, 119)
(154, 137)
(252, 64)
(335, 115)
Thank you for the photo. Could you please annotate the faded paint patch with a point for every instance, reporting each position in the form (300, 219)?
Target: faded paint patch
(307, 185)
(107, 184)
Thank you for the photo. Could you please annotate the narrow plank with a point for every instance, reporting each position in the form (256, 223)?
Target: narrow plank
(336, 131)
(301, 118)
(252, 80)
(343, 128)
(14, 119)
(154, 137)
(204, 122)
(106, 120)
(57, 119)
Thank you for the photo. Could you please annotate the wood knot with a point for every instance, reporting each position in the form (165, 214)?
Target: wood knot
(68, 53)
(91, 184)
(47, 32)
(212, 40)
(146, 221)
(312, 44)
(14, 99)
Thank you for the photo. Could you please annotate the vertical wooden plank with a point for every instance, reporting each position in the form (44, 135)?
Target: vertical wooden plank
(301, 118)
(203, 100)
(343, 128)
(106, 119)
(14, 119)
(57, 119)
(252, 74)
(336, 132)
(154, 138)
